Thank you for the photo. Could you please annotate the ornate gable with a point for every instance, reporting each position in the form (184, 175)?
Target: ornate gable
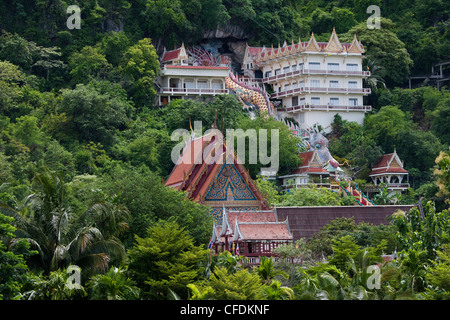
(355, 46)
(312, 45)
(333, 45)
(229, 185)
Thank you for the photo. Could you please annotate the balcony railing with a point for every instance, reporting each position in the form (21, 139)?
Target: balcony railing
(398, 185)
(195, 91)
(312, 107)
(297, 73)
(300, 90)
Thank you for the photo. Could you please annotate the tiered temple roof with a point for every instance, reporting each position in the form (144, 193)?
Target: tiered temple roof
(388, 164)
(263, 54)
(311, 164)
(215, 180)
(241, 226)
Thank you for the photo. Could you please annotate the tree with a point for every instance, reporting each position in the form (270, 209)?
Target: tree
(96, 111)
(139, 67)
(149, 200)
(12, 81)
(13, 268)
(165, 259)
(384, 46)
(286, 151)
(443, 173)
(440, 117)
(310, 196)
(225, 110)
(385, 125)
(438, 275)
(90, 241)
(113, 285)
(384, 196)
(222, 285)
(113, 46)
(267, 271)
(423, 230)
(88, 64)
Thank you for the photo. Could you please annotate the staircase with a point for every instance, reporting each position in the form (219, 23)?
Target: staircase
(360, 197)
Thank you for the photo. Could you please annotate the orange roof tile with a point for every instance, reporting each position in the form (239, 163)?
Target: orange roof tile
(262, 231)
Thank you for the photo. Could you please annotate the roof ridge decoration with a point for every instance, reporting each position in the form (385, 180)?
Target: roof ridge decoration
(334, 45)
(355, 46)
(312, 44)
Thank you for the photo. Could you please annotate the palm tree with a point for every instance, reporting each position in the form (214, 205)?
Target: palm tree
(376, 75)
(113, 285)
(275, 291)
(267, 271)
(45, 220)
(384, 196)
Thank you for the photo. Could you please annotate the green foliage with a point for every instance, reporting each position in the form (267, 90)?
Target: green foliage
(422, 229)
(439, 275)
(45, 220)
(384, 46)
(165, 259)
(80, 102)
(148, 200)
(443, 173)
(287, 151)
(13, 268)
(310, 196)
(222, 285)
(113, 285)
(96, 111)
(139, 67)
(87, 65)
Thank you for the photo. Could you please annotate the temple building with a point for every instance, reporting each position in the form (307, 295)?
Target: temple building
(183, 77)
(310, 170)
(215, 178)
(313, 80)
(250, 233)
(389, 169)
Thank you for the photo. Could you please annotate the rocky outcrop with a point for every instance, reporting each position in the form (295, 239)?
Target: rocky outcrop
(227, 31)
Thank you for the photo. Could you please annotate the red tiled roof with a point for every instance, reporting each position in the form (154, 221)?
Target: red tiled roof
(383, 161)
(383, 165)
(170, 55)
(197, 67)
(264, 231)
(249, 216)
(191, 156)
(305, 166)
(195, 175)
(388, 170)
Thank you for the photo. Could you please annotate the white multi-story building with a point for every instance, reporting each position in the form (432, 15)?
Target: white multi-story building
(182, 78)
(313, 80)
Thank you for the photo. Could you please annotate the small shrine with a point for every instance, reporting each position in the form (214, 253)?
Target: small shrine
(250, 233)
(389, 169)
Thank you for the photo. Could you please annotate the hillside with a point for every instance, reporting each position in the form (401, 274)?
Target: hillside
(79, 125)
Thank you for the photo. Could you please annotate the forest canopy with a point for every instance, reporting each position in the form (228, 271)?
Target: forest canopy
(84, 151)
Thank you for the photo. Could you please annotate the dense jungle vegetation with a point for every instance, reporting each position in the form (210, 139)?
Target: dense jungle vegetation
(84, 151)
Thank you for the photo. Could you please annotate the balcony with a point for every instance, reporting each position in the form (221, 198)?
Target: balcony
(192, 91)
(297, 73)
(286, 93)
(397, 186)
(309, 107)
